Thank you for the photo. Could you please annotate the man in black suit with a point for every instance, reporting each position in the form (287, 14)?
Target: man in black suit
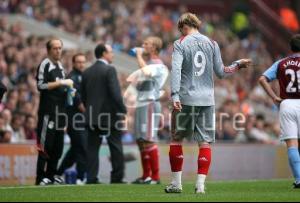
(105, 111)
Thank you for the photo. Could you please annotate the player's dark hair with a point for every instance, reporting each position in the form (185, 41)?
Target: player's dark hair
(49, 43)
(295, 43)
(99, 50)
(77, 55)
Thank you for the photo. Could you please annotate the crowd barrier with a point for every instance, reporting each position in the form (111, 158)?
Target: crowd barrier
(230, 162)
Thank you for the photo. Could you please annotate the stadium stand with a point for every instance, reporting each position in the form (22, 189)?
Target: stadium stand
(124, 24)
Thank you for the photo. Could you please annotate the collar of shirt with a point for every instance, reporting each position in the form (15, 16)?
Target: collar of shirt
(104, 61)
(155, 61)
(77, 71)
(58, 64)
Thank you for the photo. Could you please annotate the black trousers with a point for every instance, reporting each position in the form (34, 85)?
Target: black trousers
(116, 150)
(77, 152)
(50, 144)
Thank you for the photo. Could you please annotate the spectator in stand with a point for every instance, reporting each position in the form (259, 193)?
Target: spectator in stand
(18, 133)
(30, 128)
(7, 116)
(5, 136)
(258, 133)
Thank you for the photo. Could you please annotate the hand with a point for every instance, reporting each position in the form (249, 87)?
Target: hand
(67, 82)
(139, 51)
(81, 108)
(277, 100)
(177, 106)
(244, 63)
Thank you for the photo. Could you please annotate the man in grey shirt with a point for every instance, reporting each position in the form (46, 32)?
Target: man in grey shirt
(195, 58)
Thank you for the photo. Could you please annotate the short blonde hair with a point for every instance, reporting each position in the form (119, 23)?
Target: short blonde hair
(156, 42)
(190, 20)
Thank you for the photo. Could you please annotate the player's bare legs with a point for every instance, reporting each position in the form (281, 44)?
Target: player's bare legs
(204, 161)
(294, 159)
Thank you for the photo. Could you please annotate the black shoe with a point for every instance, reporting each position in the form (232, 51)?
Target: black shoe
(58, 180)
(45, 182)
(296, 185)
(138, 181)
(142, 181)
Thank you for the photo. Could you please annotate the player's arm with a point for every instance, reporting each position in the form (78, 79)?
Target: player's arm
(59, 83)
(223, 71)
(266, 78)
(177, 60)
(43, 84)
(154, 70)
(142, 63)
(263, 81)
(139, 56)
(148, 70)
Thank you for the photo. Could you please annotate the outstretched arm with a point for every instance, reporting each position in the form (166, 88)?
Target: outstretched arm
(224, 71)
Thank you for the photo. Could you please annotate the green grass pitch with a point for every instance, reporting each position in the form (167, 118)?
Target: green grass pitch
(241, 191)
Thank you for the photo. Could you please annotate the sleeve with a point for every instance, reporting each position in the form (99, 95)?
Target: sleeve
(271, 73)
(42, 81)
(177, 60)
(115, 90)
(220, 70)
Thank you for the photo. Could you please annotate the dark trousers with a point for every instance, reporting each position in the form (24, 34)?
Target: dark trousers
(50, 144)
(116, 150)
(77, 152)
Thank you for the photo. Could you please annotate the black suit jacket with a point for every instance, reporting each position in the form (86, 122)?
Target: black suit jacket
(101, 95)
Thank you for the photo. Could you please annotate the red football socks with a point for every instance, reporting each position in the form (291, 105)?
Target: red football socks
(204, 160)
(176, 158)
